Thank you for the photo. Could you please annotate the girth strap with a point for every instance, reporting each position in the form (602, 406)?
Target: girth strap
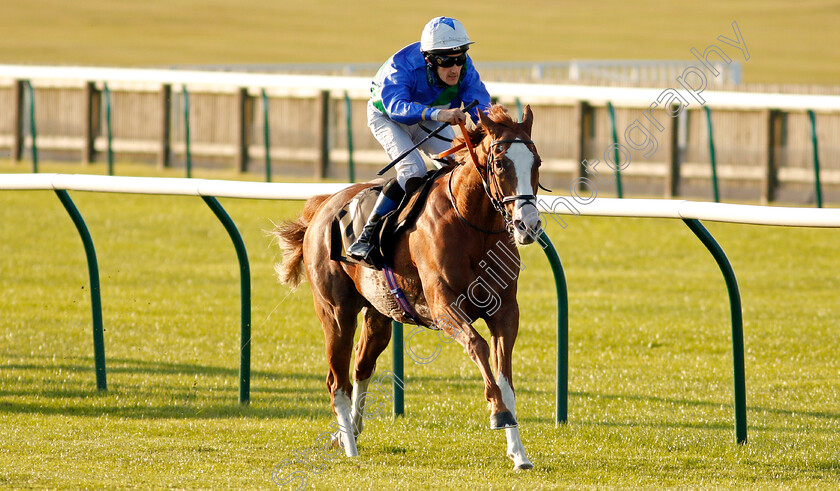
(399, 296)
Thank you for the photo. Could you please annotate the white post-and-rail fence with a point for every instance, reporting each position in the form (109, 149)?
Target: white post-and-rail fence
(595, 72)
(688, 211)
(761, 137)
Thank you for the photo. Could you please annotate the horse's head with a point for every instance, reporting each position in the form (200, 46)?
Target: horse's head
(510, 164)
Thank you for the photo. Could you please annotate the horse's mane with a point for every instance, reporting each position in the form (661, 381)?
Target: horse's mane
(498, 114)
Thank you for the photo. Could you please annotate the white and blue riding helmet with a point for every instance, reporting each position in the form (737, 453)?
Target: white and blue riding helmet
(444, 35)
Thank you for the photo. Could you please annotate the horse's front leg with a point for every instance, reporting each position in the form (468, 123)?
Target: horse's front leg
(452, 322)
(504, 326)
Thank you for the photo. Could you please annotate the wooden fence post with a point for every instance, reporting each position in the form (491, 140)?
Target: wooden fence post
(323, 163)
(775, 141)
(165, 104)
(583, 116)
(243, 120)
(18, 112)
(90, 123)
(672, 174)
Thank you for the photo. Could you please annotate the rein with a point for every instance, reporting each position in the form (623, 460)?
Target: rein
(429, 131)
(463, 219)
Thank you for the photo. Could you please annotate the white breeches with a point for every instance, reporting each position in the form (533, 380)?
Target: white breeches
(396, 138)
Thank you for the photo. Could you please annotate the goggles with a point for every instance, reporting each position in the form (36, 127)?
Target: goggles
(448, 61)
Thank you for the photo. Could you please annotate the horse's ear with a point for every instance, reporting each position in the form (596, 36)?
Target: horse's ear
(527, 119)
(488, 123)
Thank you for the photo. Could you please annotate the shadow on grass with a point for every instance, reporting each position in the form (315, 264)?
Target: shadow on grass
(128, 365)
(166, 412)
(142, 397)
(688, 402)
(829, 416)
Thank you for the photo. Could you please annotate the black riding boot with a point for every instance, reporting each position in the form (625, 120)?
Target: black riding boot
(387, 202)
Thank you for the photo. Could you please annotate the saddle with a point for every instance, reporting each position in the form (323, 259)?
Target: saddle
(350, 220)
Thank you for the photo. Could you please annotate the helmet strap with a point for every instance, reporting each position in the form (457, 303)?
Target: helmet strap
(432, 75)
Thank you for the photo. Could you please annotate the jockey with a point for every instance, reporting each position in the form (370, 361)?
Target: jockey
(425, 81)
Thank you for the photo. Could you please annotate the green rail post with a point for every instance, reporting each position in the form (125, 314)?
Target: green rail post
(266, 137)
(95, 299)
(110, 133)
(737, 326)
(518, 109)
(561, 404)
(712, 157)
(818, 187)
(399, 372)
(349, 110)
(245, 298)
(615, 143)
(187, 130)
(32, 128)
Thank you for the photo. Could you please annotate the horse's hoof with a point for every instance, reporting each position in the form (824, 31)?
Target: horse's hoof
(524, 466)
(502, 420)
(351, 453)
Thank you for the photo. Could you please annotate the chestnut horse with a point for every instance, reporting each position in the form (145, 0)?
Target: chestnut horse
(448, 265)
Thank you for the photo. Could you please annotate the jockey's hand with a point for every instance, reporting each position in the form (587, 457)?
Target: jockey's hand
(451, 116)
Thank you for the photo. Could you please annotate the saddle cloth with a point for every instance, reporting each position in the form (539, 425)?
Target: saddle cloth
(351, 219)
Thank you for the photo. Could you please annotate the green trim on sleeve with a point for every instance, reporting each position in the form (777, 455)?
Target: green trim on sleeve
(377, 103)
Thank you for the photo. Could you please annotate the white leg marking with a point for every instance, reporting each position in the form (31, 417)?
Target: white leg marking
(359, 396)
(345, 423)
(515, 450)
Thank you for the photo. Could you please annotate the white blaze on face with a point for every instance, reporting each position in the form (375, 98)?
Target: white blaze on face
(526, 218)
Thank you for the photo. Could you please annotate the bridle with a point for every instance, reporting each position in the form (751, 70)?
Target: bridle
(497, 199)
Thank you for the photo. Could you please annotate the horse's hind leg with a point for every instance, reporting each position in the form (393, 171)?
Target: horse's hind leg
(339, 323)
(376, 334)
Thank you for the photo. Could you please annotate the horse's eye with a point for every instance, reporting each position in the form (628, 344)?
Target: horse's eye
(499, 164)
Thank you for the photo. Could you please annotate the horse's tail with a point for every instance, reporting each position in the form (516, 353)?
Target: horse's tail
(290, 239)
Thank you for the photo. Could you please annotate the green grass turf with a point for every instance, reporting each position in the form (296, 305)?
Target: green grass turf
(650, 360)
(789, 42)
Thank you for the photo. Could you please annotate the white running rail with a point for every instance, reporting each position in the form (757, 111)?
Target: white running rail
(359, 87)
(642, 208)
